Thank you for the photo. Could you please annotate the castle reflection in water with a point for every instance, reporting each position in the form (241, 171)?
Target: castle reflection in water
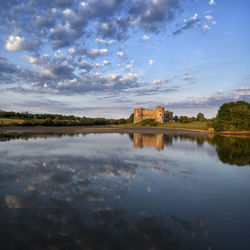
(151, 140)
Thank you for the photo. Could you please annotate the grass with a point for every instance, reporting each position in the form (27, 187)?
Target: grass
(10, 121)
(191, 125)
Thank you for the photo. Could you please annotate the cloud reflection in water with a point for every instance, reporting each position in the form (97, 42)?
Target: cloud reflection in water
(82, 192)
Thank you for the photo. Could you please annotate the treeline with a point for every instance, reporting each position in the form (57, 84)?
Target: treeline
(60, 120)
(184, 119)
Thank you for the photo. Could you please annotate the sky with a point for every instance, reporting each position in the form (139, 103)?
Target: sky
(103, 58)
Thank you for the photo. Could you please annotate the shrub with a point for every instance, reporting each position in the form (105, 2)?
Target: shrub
(122, 121)
(149, 122)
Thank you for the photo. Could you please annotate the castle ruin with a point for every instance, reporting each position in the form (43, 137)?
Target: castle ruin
(159, 114)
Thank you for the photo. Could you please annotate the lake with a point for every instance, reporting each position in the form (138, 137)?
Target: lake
(124, 191)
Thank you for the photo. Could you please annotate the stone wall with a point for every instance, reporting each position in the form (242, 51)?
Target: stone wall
(159, 114)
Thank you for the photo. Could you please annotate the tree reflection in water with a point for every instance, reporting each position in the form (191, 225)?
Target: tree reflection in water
(234, 151)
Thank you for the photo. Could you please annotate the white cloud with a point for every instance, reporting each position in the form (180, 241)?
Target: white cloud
(211, 2)
(129, 66)
(145, 37)
(103, 51)
(15, 43)
(151, 62)
(93, 52)
(102, 41)
(72, 51)
(32, 59)
(83, 4)
(209, 18)
(187, 77)
(68, 12)
(206, 27)
(160, 81)
(106, 62)
(120, 53)
(194, 18)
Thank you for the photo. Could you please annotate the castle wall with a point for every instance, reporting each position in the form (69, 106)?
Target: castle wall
(158, 114)
(148, 114)
(138, 115)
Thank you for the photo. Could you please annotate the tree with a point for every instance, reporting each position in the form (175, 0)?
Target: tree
(233, 116)
(176, 118)
(200, 116)
(183, 119)
(48, 122)
(122, 121)
(131, 118)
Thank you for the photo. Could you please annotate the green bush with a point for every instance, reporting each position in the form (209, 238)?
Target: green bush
(149, 122)
(200, 116)
(131, 118)
(122, 121)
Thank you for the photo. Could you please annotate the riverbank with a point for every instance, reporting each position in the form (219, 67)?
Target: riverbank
(117, 129)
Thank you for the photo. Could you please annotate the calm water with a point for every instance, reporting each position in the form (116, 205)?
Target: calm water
(124, 191)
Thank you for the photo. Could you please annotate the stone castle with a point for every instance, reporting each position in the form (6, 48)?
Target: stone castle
(159, 114)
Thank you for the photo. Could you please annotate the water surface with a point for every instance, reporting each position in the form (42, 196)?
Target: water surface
(124, 191)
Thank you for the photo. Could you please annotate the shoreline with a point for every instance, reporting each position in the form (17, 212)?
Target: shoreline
(118, 129)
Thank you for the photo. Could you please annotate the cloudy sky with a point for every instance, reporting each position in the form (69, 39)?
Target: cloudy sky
(102, 58)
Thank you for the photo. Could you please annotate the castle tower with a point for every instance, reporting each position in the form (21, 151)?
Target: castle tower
(160, 114)
(138, 116)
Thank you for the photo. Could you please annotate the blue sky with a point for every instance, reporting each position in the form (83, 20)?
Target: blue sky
(102, 58)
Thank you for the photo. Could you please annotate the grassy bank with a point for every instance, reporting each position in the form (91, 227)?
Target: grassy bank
(196, 125)
(191, 125)
(11, 121)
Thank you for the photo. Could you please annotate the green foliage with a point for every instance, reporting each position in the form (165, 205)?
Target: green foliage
(48, 122)
(200, 116)
(131, 118)
(149, 122)
(176, 118)
(203, 119)
(185, 119)
(122, 121)
(233, 116)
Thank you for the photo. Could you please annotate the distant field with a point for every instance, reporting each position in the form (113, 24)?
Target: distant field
(9, 121)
